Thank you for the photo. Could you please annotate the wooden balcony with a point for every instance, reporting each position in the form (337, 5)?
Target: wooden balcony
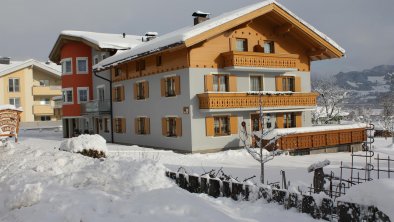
(47, 91)
(258, 59)
(245, 100)
(316, 140)
(42, 110)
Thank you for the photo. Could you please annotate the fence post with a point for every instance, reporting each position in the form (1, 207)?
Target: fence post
(388, 166)
(378, 166)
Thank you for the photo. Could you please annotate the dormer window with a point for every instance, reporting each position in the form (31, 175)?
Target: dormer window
(241, 45)
(269, 47)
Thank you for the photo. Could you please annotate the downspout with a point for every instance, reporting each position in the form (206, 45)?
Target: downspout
(110, 97)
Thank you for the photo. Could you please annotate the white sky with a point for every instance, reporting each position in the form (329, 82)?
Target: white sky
(28, 29)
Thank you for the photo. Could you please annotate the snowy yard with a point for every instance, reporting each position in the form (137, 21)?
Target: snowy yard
(41, 183)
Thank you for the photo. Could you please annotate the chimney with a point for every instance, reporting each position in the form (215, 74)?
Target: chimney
(124, 35)
(5, 60)
(200, 16)
(149, 36)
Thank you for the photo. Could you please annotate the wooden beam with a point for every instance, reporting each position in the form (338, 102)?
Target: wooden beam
(317, 52)
(283, 29)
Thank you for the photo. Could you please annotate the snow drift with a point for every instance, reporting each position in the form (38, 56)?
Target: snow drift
(84, 143)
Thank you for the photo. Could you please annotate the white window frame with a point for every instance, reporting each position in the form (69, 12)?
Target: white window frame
(87, 65)
(72, 97)
(262, 81)
(14, 99)
(63, 68)
(87, 94)
(13, 85)
(98, 91)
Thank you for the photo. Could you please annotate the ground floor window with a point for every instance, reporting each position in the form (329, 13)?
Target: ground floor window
(172, 127)
(142, 126)
(120, 125)
(289, 120)
(15, 101)
(221, 125)
(45, 118)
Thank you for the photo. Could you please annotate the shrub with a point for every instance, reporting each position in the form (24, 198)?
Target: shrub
(93, 153)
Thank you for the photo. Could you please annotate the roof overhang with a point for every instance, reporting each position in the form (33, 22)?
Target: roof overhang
(34, 64)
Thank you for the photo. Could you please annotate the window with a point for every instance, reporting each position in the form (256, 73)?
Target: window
(67, 66)
(141, 90)
(158, 60)
(67, 96)
(83, 94)
(82, 65)
(118, 72)
(170, 86)
(44, 82)
(288, 83)
(221, 125)
(220, 83)
(96, 59)
(13, 85)
(106, 125)
(45, 101)
(140, 65)
(15, 101)
(103, 56)
(101, 93)
(256, 83)
(118, 94)
(289, 120)
(142, 126)
(172, 126)
(120, 125)
(269, 47)
(45, 118)
(241, 45)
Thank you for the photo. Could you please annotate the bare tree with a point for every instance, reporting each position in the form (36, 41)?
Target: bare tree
(386, 120)
(330, 98)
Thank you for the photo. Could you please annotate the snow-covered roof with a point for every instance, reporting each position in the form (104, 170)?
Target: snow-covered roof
(10, 107)
(183, 34)
(17, 65)
(106, 40)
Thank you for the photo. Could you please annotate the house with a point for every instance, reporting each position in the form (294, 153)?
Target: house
(77, 52)
(189, 90)
(31, 85)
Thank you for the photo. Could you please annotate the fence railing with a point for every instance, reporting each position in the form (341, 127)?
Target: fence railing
(96, 106)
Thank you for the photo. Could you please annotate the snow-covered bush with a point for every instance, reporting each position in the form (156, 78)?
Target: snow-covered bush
(89, 145)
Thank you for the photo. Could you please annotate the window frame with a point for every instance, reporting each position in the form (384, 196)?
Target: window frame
(245, 44)
(86, 59)
(96, 60)
(98, 88)
(46, 119)
(227, 82)
(288, 81)
(141, 127)
(140, 90)
(261, 82)
(118, 93)
(167, 90)
(172, 126)
(63, 61)
(14, 85)
(271, 45)
(118, 72)
(15, 99)
(289, 120)
(228, 127)
(65, 96)
(79, 95)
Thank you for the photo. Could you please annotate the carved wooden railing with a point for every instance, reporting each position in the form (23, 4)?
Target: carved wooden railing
(256, 59)
(245, 100)
(321, 139)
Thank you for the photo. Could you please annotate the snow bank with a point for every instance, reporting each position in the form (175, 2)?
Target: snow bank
(84, 142)
(30, 195)
(377, 192)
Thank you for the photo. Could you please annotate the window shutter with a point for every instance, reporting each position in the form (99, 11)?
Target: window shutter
(234, 124)
(178, 127)
(208, 79)
(209, 126)
(164, 126)
(232, 79)
(297, 83)
(233, 44)
(135, 90)
(146, 89)
(279, 120)
(113, 94)
(123, 124)
(163, 87)
(177, 85)
(122, 96)
(147, 125)
(279, 85)
(136, 126)
(299, 119)
(114, 124)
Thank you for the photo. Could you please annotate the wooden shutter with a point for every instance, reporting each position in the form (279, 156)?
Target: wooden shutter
(135, 90)
(147, 125)
(136, 126)
(177, 85)
(208, 80)
(122, 94)
(209, 126)
(297, 84)
(232, 80)
(279, 120)
(298, 117)
(164, 126)
(233, 44)
(178, 127)
(123, 125)
(234, 124)
(163, 87)
(113, 94)
(278, 83)
(146, 89)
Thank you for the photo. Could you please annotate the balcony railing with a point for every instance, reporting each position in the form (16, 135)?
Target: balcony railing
(43, 110)
(96, 107)
(47, 91)
(246, 100)
(256, 59)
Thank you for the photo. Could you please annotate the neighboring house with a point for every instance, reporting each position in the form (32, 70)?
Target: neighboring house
(31, 85)
(77, 52)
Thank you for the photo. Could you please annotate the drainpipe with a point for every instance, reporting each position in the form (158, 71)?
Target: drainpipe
(110, 97)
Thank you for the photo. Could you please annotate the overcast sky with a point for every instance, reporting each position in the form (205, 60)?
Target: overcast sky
(29, 28)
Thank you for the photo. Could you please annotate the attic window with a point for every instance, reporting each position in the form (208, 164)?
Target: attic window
(241, 45)
(158, 60)
(140, 65)
(269, 47)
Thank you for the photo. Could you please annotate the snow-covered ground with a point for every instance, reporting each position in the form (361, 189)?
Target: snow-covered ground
(40, 183)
